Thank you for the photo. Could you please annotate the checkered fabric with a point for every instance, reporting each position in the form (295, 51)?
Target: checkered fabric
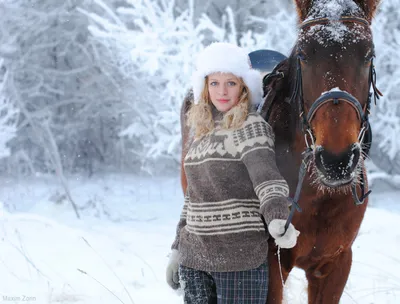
(198, 286)
(236, 287)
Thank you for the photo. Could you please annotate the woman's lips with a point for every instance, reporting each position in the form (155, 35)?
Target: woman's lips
(223, 100)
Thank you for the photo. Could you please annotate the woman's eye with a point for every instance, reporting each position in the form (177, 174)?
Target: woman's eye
(231, 83)
(214, 83)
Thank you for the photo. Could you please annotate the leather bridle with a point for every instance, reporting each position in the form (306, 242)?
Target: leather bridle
(335, 97)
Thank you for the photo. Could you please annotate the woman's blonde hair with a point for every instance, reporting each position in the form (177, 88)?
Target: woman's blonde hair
(200, 118)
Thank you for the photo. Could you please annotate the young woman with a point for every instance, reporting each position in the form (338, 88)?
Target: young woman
(234, 187)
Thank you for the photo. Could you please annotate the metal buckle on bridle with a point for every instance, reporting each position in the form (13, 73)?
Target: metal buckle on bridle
(309, 133)
(361, 135)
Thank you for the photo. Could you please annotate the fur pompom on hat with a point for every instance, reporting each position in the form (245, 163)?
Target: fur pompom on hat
(226, 58)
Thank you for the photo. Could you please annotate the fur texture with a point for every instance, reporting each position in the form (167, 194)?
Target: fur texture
(226, 58)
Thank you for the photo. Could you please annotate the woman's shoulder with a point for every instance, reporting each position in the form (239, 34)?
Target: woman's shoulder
(256, 118)
(253, 127)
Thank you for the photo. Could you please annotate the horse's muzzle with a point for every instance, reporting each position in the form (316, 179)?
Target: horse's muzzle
(337, 169)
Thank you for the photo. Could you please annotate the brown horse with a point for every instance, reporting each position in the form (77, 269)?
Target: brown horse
(317, 102)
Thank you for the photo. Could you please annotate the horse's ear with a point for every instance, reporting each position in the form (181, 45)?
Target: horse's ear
(368, 7)
(303, 7)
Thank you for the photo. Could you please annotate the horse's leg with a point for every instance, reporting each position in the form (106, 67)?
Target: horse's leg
(326, 283)
(275, 287)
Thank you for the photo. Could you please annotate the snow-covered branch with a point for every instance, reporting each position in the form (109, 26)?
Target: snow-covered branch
(385, 118)
(8, 119)
(109, 76)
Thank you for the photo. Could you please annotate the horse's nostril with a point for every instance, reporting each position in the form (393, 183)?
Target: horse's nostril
(337, 166)
(319, 160)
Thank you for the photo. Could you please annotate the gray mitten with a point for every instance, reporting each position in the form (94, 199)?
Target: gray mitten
(172, 274)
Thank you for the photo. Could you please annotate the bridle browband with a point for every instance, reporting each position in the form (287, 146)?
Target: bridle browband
(344, 19)
(335, 97)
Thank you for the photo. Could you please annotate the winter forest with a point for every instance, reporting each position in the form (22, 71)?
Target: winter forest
(90, 93)
(91, 86)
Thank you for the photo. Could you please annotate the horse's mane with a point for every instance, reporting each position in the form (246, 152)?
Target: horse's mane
(279, 109)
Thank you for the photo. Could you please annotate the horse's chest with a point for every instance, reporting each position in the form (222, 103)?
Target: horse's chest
(323, 233)
(321, 247)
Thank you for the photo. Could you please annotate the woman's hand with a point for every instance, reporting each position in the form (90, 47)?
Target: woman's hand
(172, 274)
(276, 229)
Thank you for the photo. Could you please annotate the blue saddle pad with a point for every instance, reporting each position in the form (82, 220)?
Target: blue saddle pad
(265, 60)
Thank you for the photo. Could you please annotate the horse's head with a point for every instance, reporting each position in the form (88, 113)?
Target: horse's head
(333, 59)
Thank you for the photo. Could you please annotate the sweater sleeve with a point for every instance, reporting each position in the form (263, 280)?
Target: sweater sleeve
(255, 144)
(181, 223)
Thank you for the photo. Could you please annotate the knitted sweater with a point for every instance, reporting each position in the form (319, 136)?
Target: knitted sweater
(232, 180)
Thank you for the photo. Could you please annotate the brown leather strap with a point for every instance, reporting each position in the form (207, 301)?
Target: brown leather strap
(344, 19)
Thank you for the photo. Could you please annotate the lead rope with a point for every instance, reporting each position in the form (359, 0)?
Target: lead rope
(280, 266)
(307, 154)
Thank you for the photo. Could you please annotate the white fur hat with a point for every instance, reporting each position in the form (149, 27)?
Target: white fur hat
(226, 58)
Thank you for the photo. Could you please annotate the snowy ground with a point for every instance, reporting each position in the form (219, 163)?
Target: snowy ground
(118, 251)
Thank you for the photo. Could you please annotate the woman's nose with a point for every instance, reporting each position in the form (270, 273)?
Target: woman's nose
(223, 90)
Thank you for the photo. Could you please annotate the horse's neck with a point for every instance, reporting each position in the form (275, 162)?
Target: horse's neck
(288, 160)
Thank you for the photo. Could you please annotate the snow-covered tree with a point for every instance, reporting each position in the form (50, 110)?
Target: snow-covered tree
(99, 83)
(8, 116)
(386, 116)
(248, 15)
(155, 53)
(64, 82)
(162, 40)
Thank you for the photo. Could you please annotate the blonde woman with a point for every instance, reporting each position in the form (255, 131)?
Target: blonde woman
(234, 187)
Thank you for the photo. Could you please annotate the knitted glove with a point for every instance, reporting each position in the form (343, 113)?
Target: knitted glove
(276, 229)
(172, 274)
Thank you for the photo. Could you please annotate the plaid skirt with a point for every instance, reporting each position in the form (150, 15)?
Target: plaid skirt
(237, 287)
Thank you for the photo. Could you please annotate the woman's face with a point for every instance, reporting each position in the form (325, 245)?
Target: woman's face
(224, 90)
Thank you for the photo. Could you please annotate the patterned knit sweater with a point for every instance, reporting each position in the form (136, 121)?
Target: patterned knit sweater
(233, 180)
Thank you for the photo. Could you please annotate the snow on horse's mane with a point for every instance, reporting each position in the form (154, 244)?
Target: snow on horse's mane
(333, 32)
